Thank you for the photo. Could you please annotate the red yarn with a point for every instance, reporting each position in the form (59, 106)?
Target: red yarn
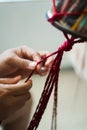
(58, 15)
(50, 84)
(52, 78)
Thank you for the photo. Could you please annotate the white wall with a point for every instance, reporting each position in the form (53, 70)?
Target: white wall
(26, 23)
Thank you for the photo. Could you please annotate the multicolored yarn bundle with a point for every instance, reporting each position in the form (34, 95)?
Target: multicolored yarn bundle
(73, 14)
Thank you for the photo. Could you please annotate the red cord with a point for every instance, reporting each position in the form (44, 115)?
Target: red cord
(53, 76)
(58, 15)
(51, 83)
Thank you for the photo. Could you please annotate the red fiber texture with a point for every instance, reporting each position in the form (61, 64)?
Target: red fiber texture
(51, 84)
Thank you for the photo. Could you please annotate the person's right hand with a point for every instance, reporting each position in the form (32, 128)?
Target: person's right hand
(22, 60)
(13, 95)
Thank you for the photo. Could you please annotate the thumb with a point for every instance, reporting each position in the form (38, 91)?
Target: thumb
(25, 63)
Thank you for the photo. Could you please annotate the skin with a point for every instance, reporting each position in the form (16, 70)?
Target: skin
(21, 61)
(13, 96)
(15, 65)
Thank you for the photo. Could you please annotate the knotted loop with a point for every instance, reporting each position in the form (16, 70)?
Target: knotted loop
(67, 45)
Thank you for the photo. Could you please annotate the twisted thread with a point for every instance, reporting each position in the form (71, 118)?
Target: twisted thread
(52, 78)
(51, 84)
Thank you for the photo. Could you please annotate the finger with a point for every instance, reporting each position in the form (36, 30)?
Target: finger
(43, 53)
(16, 102)
(24, 64)
(10, 80)
(49, 60)
(28, 53)
(23, 98)
(33, 55)
(18, 89)
(47, 63)
(37, 58)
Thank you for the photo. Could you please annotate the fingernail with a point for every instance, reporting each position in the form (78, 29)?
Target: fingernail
(32, 65)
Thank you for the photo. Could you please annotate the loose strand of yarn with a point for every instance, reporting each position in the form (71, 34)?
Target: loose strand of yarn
(51, 84)
(52, 78)
(54, 114)
(44, 98)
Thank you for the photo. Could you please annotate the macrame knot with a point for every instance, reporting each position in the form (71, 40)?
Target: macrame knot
(66, 46)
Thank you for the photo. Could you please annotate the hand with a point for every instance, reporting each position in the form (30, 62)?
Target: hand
(13, 95)
(21, 61)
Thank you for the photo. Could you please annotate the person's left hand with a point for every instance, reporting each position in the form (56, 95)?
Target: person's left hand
(21, 61)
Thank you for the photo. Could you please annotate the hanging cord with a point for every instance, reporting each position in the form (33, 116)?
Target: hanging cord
(53, 76)
(50, 84)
